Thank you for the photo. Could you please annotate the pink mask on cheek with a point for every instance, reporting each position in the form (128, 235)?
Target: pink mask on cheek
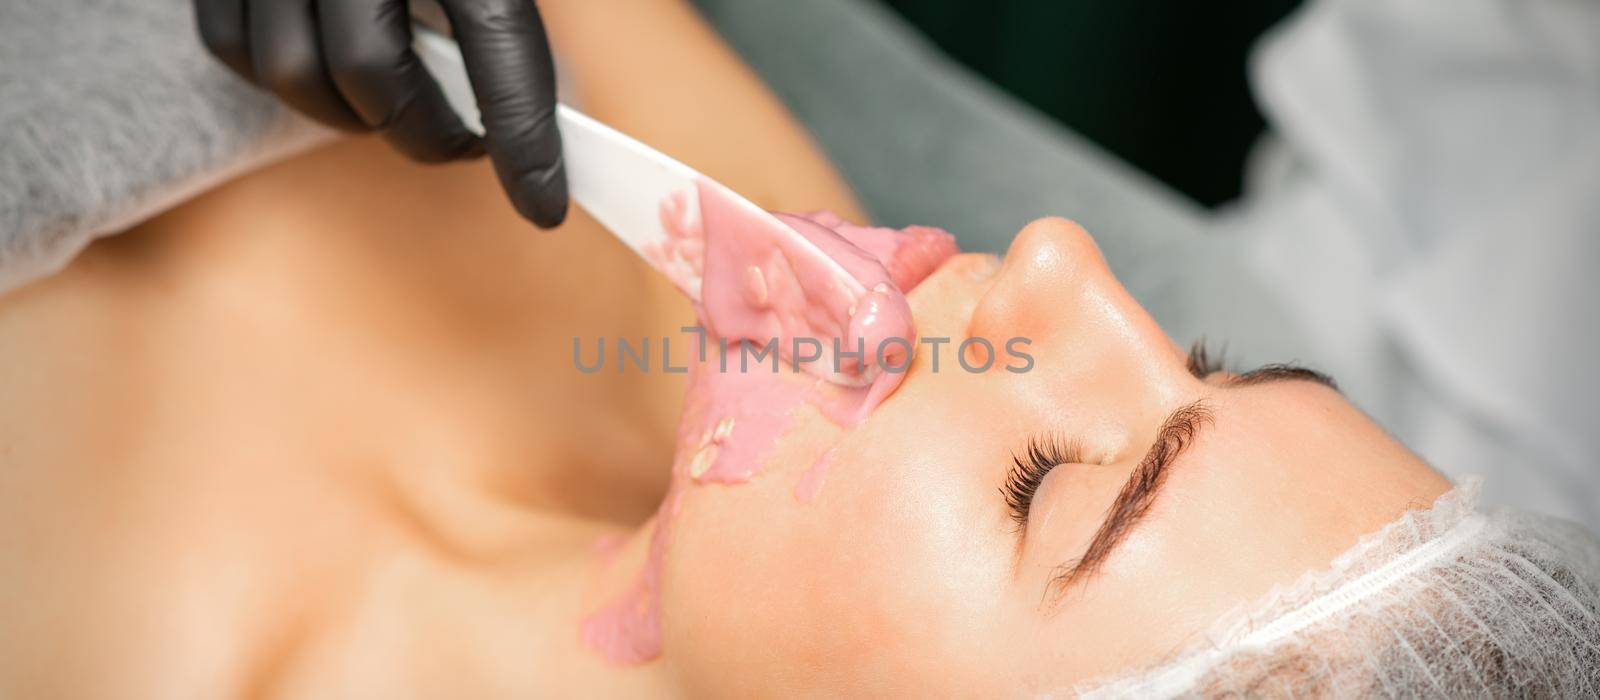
(755, 287)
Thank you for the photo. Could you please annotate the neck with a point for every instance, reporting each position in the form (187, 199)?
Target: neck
(417, 296)
(349, 379)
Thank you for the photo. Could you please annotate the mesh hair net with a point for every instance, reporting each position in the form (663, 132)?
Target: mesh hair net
(1445, 602)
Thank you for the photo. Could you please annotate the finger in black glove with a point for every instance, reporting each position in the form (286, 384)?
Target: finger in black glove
(349, 64)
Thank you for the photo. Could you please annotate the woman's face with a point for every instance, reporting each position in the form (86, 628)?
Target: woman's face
(923, 565)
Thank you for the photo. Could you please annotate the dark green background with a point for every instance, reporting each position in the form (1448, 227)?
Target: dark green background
(1160, 83)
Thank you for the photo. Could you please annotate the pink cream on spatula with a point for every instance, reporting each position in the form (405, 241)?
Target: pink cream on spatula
(756, 284)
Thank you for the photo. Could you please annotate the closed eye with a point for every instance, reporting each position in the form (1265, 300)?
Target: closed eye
(1045, 453)
(1203, 363)
(1028, 470)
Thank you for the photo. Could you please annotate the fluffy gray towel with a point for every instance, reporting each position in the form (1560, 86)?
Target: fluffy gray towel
(110, 111)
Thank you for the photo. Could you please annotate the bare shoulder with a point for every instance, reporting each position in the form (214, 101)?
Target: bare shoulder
(224, 433)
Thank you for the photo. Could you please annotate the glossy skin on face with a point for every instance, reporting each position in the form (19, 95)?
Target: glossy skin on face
(907, 572)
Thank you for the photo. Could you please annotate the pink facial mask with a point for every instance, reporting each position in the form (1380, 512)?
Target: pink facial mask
(829, 302)
(756, 286)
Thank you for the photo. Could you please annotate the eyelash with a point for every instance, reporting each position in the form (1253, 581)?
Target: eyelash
(1047, 452)
(1201, 363)
(1028, 470)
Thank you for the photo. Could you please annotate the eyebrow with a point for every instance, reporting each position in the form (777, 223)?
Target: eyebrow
(1138, 493)
(1280, 372)
(1202, 364)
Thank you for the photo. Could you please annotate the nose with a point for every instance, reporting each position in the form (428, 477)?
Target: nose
(1086, 330)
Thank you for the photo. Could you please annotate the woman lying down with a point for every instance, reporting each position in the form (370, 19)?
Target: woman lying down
(325, 431)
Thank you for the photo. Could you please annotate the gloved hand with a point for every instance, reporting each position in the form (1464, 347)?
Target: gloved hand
(349, 64)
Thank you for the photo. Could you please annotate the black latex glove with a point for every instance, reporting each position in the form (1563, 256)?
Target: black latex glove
(349, 64)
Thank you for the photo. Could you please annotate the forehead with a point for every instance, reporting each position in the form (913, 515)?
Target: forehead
(1289, 476)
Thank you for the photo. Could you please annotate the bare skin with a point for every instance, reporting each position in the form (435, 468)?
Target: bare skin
(317, 433)
(328, 409)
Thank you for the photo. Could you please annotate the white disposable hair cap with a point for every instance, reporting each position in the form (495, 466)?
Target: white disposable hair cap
(1449, 601)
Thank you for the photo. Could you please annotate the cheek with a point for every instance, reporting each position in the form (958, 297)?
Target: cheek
(886, 580)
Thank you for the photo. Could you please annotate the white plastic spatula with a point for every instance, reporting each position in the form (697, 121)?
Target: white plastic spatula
(621, 182)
